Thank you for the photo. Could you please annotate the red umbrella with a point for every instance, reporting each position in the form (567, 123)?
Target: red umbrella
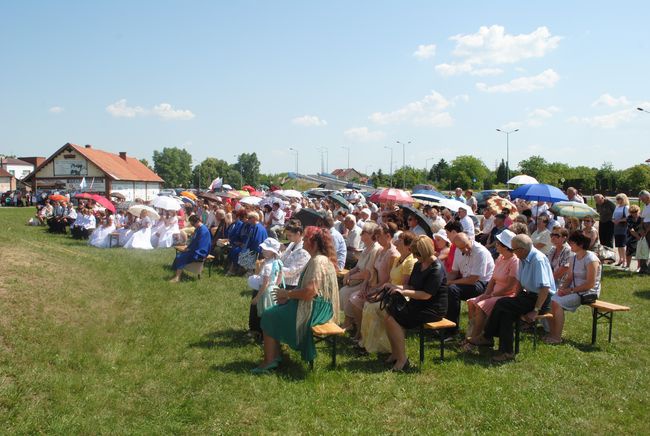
(84, 195)
(257, 194)
(391, 194)
(248, 188)
(105, 202)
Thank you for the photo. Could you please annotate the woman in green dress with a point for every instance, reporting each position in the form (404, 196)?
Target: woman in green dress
(315, 301)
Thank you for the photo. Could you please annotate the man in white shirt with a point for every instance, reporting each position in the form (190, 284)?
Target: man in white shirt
(437, 222)
(466, 222)
(277, 220)
(486, 225)
(352, 240)
(470, 273)
(572, 195)
(459, 195)
(364, 216)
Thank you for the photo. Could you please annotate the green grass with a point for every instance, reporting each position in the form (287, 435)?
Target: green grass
(96, 341)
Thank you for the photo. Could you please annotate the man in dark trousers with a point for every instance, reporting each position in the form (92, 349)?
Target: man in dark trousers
(605, 209)
(537, 287)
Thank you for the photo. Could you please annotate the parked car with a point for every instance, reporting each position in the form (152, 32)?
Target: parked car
(482, 197)
(167, 192)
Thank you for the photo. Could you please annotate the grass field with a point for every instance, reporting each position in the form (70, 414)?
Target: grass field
(96, 341)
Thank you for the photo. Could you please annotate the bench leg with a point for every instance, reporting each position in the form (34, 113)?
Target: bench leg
(611, 320)
(594, 325)
(421, 345)
(517, 331)
(442, 345)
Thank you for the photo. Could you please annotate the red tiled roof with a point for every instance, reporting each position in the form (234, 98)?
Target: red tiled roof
(118, 168)
(13, 161)
(5, 173)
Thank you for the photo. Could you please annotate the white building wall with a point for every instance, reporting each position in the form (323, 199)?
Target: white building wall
(19, 171)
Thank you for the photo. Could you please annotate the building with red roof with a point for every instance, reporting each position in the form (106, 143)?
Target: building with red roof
(84, 168)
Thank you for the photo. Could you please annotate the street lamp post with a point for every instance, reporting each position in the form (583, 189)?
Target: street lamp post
(324, 159)
(391, 164)
(348, 149)
(241, 176)
(295, 151)
(507, 153)
(403, 162)
(426, 163)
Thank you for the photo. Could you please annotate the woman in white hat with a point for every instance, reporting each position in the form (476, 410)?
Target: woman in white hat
(263, 284)
(502, 284)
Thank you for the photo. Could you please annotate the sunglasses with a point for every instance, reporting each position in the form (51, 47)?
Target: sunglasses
(555, 235)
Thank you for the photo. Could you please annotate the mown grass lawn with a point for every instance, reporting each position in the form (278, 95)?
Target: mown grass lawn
(96, 341)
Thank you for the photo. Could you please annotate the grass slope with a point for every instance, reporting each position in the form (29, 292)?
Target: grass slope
(96, 341)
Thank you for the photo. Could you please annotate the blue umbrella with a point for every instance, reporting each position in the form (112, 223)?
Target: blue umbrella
(539, 192)
(430, 192)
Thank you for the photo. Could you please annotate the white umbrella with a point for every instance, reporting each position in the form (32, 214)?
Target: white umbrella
(137, 209)
(167, 203)
(523, 179)
(454, 205)
(271, 200)
(251, 200)
(291, 193)
(226, 187)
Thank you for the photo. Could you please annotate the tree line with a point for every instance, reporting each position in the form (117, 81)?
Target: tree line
(174, 165)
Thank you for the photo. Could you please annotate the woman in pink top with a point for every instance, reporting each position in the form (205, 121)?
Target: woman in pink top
(503, 284)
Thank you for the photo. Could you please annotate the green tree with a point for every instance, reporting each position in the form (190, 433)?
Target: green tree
(379, 179)
(635, 178)
(174, 165)
(250, 168)
(534, 166)
(211, 168)
(439, 172)
(412, 176)
(468, 171)
(501, 175)
(145, 162)
(607, 178)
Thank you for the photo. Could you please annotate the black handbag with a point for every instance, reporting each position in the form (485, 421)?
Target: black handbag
(392, 303)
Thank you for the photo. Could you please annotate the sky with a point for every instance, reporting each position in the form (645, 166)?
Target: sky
(222, 78)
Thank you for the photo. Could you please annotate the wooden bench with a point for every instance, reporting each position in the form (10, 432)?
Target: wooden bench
(439, 326)
(116, 236)
(603, 309)
(328, 333)
(339, 276)
(534, 324)
(196, 267)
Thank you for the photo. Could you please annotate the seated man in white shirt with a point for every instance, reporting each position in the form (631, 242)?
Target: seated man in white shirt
(277, 220)
(352, 241)
(470, 273)
(466, 222)
(486, 225)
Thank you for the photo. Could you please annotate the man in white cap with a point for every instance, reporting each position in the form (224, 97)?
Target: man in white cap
(466, 222)
(364, 216)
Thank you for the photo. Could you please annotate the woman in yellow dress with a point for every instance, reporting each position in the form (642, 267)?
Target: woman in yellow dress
(373, 331)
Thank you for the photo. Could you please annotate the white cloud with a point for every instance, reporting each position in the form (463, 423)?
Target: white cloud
(546, 79)
(56, 109)
(363, 134)
(491, 46)
(534, 118)
(610, 101)
(309, 121)
(119, 109)
(486, 72)
(165, 111)
(425, 51)
(428, 111)
(608, 121)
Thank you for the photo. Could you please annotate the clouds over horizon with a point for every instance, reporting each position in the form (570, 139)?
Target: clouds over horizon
(425, 51)
(613, 119)
(363, 134)
(309, 121)
(164, 111)
(546, 79)
(55, 110)
(480, 53)
(429, 111)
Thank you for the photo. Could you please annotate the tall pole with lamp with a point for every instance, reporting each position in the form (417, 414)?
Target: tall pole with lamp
(348, 149)
(507, 153)
(295, 151)
(403, 162)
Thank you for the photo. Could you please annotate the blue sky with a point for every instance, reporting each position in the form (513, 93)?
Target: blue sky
(221, 78)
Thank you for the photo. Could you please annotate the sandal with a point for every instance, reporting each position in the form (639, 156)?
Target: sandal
(468, 347)
(503, 357)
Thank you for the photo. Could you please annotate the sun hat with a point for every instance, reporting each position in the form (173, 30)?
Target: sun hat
(442, 234)
(366, 211)
(272, 245)
(505, 237)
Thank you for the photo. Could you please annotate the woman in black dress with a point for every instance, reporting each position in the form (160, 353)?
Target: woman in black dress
(427, 293)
